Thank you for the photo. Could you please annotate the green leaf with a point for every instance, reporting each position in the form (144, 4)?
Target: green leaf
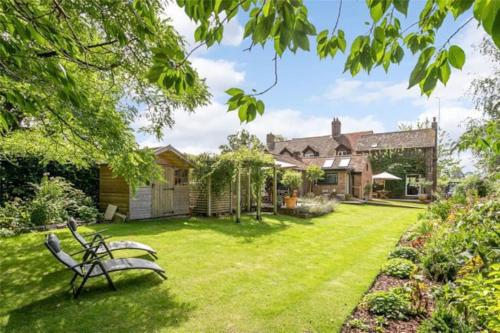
(376, 12)
(430, 82)
(456, 56)
(234, 91)
(444, 72)
(379, 34)
(266, 8)
(398, 54)
(301, 40)
(242, 112)
(260, 107)
(341, 42)
(401, 6)
(495, 33)
(419, 71)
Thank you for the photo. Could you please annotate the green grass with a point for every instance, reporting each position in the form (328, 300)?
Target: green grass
(283, 275)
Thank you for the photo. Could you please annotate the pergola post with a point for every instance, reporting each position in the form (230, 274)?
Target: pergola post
(259, 199)
(275, 191)
(249, 191)
(209, 196)
(238, 196)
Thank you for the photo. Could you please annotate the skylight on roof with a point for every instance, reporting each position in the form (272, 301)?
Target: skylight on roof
(344, 162)
(328, 163)
(374, 145)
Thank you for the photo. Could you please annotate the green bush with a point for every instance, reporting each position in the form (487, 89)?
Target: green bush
(55, 200)
(472, 184)
(443, 257)
(398, 267)
(445, 320)
(14, 218)
(405, 252)
(390, 304)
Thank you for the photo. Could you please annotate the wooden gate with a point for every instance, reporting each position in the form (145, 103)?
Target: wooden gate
(163, 194)
(356, 185)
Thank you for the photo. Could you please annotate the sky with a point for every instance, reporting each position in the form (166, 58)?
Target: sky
(310, 91)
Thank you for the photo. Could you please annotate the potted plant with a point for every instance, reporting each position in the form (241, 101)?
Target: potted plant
(313, 174)
(292, 180)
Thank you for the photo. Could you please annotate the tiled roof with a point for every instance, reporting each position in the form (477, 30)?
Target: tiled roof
(325, 145)
(356, 162)
(398, 140)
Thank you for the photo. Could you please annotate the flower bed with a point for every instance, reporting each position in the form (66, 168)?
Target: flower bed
(444, 276)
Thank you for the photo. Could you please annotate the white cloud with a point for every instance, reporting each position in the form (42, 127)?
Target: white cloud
(220, 74)
(233, 31)
(207, 128)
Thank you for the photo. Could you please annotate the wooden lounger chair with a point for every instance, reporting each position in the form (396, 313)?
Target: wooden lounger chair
(103, 247)
(96, 266)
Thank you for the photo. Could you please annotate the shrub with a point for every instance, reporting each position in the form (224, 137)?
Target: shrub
(14, 218)
(316, 206)
(442, 257)
(358, 324)
(292, 179)
(398, 267)
(444, 320)
(54, 201)
(388, 303)
(405, 252)
(474, 184)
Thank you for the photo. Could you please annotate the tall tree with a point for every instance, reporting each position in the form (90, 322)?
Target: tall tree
(483, 135)
(242, 139)
(69, 71)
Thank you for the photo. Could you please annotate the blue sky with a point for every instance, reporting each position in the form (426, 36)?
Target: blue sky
(311, 92)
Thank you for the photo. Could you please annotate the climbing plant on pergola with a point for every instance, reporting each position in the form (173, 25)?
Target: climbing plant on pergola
(215, 173)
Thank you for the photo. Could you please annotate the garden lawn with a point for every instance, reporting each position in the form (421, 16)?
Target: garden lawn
(283, 275)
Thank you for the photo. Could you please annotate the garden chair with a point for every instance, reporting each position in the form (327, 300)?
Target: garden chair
(102, 247)
(96, 266)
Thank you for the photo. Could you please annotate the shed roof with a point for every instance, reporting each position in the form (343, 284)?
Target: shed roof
(172, 156)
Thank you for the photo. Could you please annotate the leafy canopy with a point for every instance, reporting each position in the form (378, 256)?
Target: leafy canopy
(286, 25)
(69, 71)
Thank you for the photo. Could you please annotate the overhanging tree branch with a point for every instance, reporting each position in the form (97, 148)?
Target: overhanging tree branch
(275, 59)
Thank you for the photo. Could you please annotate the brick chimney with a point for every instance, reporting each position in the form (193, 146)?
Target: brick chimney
(434, 123)
(270, 141)
(336, 127)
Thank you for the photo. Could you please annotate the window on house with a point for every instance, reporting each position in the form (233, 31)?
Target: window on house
(181, 177)
(328, 163)
(342, 152)
(344, 162)
(413, 187)
(331, 178)
(310, 153)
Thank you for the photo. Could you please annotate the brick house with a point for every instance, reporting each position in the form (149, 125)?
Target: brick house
(345, 157)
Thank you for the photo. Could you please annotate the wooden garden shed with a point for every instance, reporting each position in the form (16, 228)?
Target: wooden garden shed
(162, 198)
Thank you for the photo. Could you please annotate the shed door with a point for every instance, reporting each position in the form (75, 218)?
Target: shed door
(163, 194)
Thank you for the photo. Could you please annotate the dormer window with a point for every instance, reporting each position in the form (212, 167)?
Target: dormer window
(286, 151)
(309, 152)
(341, 152)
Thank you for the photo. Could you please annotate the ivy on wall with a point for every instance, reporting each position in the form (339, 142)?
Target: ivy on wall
(17, 174)
(399, 163)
